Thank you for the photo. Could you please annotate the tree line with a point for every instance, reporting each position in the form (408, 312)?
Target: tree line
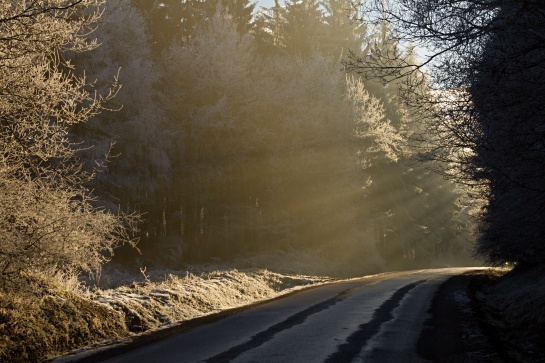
(232, 130)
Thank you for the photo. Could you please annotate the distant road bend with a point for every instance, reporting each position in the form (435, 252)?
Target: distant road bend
(372, 319)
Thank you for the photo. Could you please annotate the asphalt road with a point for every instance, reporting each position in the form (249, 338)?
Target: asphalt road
(372, 319)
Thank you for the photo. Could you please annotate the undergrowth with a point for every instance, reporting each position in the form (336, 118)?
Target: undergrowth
(56, 316)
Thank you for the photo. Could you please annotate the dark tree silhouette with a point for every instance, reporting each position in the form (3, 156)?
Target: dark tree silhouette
(485, 59)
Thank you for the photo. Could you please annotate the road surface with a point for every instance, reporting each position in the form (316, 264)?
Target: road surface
(372, 319)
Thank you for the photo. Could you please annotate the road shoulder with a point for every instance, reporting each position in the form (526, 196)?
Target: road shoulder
(454, 331)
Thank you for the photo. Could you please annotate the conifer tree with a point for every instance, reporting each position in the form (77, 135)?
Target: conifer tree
(171, 20)
(268, 30)
(209, 82)
(403, 202)
(343, 33)
(303, 26)
(133, 133)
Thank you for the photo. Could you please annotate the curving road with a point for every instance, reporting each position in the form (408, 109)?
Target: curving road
(372, 319)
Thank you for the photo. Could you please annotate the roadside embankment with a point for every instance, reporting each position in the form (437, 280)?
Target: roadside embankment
(492, 315)
(53, 319)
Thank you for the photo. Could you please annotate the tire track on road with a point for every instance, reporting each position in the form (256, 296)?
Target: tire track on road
(266, 335)
(356, 341)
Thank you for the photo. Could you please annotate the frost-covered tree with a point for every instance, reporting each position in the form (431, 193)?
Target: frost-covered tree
(343, 33)
(404, 201)
(268, 24)
(170, 20)
(268, 157)
(134, 133)
(307, 122)
(295, 27)
(302, 27)
(48, 219)
(209, 86)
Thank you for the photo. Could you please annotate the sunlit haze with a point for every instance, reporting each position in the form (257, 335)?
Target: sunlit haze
(162, 161)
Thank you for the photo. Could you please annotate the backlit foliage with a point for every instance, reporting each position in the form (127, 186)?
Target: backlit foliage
(46, 213)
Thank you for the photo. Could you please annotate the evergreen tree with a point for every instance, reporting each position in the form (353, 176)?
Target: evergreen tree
(269, 28)
(343, 33)
(171, 20)
(403, 200)
(303, 28)
(134, 134)
(486, 66)
(209, 85)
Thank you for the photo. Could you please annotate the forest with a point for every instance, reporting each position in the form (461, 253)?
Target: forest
(151, 151)
(166, 133)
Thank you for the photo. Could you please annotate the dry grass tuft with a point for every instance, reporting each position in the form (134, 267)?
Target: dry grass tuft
(50, 321)
(184, 295)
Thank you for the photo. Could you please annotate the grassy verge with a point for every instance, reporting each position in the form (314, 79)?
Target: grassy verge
(55, 317)
(50, 321)
(170, 296)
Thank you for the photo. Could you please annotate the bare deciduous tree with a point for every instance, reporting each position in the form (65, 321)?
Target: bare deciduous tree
(47, 216)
